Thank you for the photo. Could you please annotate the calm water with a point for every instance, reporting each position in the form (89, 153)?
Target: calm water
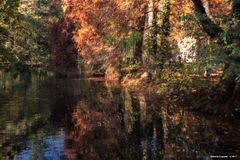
(42, 117)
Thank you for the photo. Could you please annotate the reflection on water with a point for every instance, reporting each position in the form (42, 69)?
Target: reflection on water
(42, 117)
(44, 147)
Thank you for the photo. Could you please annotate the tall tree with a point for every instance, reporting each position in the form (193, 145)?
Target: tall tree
(157, 28)
(210, 27)
(139, 44)
(231, 62)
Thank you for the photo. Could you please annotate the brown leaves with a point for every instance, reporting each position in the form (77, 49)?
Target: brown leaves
(97, 21)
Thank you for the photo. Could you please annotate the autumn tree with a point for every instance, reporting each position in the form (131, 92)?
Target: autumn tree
(230, 40)
(106, 32)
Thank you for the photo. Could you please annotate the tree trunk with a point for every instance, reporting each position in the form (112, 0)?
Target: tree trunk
(139, 44)
(163, 19)
(149, 34)
(236, 9)
(166, 15)
(223, 101)
(212, 29)
(206, 4)
(157, 28)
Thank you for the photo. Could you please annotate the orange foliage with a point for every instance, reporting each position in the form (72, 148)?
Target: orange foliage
(220, 7)
(89, 24)
(97, 20)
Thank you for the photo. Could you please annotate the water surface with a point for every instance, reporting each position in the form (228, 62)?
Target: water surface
(43, 117)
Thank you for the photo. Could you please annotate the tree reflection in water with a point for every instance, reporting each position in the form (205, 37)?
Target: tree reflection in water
(119, 127)
(44, 117)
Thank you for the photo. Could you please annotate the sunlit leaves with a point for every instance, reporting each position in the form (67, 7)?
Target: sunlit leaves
(25, 30)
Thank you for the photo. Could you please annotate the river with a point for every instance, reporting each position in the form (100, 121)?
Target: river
(44, 117)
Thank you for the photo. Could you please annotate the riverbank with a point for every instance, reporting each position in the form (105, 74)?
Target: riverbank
(190, 88)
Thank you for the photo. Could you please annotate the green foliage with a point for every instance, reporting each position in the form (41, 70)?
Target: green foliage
(8, 11)
(113, 32)
(188, 23)
(25, 32)
(129, 43)
(113, 39)
(166, 21)
(209, 52)
(226, 35)
(227, 54)
(232, 70)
